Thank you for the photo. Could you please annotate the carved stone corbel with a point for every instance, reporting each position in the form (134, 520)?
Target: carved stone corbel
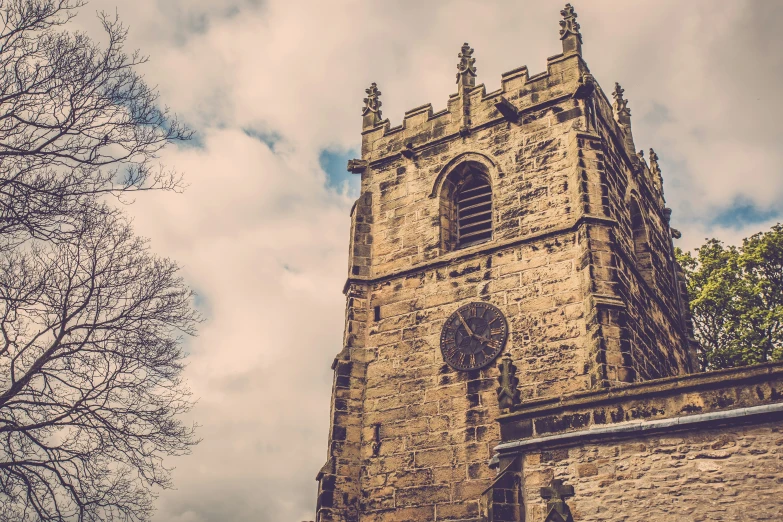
(508, 394)
(357, 166)
(507, 109)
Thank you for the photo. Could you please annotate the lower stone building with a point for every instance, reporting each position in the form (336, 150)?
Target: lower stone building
(517, 340)
(704, 447)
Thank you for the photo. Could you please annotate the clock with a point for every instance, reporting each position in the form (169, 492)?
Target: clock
(473, 336)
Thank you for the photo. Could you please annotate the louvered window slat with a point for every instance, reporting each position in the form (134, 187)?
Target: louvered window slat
(476, 217)
(485, 196)
(470, 191)
(478, 226)
(472, 208)
(474, 212)
(473, 236)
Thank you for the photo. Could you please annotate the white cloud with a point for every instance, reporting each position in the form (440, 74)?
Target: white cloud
(264, 241)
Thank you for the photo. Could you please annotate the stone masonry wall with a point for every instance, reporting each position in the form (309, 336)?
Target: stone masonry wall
(436, 425)
(700, 447)
(726, 474)
(653, 329)
(339, 478)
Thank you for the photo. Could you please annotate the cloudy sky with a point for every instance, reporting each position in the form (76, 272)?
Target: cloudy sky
(274, 90)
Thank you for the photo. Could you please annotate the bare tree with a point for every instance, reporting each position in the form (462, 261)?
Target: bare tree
(90, 387)
(91, 322)
(76, 121)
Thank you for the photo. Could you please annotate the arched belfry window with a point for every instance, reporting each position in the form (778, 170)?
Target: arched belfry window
(641, 243)
(466, 207)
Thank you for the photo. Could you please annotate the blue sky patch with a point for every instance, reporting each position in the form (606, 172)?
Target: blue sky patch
(201, 303)
(741, 213)
(196, 142)
(334, 163)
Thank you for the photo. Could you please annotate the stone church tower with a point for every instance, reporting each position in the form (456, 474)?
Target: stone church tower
(512, 247)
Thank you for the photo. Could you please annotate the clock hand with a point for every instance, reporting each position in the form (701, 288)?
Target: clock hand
(486, 340)
(465, 324)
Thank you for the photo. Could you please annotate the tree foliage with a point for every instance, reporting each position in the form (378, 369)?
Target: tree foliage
(736, 299)
(91, 322)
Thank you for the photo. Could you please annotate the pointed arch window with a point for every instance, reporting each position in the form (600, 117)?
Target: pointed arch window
(466, 207)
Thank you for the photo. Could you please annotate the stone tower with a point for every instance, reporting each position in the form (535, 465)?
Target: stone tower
(532, 203)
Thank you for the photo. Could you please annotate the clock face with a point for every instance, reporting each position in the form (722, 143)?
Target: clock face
(473, 336)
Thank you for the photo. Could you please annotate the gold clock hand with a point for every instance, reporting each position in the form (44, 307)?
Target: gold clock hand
(465, 324)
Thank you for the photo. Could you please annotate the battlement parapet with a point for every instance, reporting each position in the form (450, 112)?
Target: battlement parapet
(422, 126)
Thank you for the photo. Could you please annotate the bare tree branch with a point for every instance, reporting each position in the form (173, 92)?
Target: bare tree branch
(76, 121)
(90, 374)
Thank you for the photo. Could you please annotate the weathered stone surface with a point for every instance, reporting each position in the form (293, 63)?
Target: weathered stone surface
(721, 475)
(589, 304)
(725, 468)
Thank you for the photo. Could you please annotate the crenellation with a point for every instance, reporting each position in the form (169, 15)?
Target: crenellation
(514, 79)
(560, 79)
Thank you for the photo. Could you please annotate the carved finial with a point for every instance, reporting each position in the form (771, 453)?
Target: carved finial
(555, 496)
(372, 107)
(372, 103)
(653, 159)
(508, 394)
(617, 94)
(621, 111)
(655, 169)
(569, 25)
(569, 31)
(466, 70)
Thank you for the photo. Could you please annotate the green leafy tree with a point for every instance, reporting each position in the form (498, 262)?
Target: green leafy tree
(736, 299)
